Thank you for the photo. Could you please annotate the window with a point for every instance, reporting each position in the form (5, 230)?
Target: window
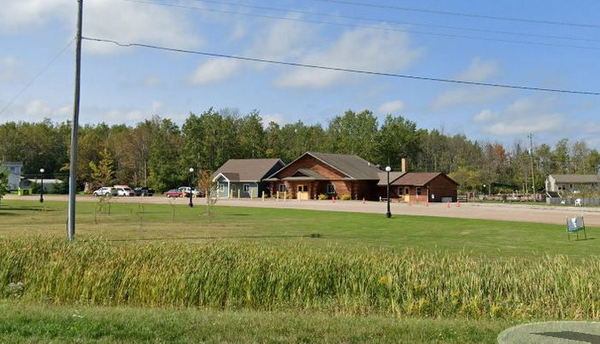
(246, 187)
(302, 188)
(330, 188)
(282, 188)
(418, 191)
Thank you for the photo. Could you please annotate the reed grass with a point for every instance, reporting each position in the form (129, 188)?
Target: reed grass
(340, 280)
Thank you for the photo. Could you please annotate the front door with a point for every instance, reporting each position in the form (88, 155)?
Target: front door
(406, 194)
(302, 192)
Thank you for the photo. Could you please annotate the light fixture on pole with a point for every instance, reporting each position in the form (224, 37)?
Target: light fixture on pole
(389, 213)
(42, 185)
(191, 204)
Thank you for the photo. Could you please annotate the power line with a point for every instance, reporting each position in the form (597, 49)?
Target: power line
(368, 26)
(339, 69)
(288, 10)
(462, 14)
(35, 77)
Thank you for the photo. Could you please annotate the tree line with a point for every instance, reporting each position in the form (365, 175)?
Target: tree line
(158, 153)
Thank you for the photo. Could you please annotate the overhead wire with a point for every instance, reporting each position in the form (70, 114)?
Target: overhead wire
(462, 14)
(380, 20)
(338, 69)
(35, 77)
(523, 42)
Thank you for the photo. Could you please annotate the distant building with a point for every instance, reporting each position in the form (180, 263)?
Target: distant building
(314, 173)
(244, 177)
(14, 173)
(571, 183)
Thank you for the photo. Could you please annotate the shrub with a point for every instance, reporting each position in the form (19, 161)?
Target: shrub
(323, 197)
(345, 197)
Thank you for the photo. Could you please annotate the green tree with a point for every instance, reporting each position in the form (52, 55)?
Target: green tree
(3, 183)
(397, 138)
(103, 172)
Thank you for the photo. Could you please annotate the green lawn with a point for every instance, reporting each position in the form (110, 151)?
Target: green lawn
(26, 323)
(130, 223)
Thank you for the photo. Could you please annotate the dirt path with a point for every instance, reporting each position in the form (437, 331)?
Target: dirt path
(507, 212)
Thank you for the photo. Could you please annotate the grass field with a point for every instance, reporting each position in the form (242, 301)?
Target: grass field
(23, 323)
(296, 276)
(137, 222)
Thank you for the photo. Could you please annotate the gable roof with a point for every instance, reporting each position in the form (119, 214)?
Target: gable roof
(393, 176)
(576, 178)
(351, 165)
(419, 178)
(247, 170)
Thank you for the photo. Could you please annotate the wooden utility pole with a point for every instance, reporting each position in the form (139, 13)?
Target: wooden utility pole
(75, 128)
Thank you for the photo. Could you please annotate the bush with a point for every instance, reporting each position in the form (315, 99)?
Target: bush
(323, 197)
(345, 197)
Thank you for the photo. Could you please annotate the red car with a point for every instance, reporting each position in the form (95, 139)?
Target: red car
(173, 193)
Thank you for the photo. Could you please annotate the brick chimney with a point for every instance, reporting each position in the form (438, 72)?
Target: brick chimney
(404, 165)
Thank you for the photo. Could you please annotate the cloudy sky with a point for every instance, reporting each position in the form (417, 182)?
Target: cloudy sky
(126, 85)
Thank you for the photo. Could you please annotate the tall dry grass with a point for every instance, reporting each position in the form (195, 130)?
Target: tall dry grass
(341, 280)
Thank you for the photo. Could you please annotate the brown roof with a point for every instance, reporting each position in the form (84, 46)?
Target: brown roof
(247, 170)
(418, 178)
(393, 176)
(351, 165)
(576, 178)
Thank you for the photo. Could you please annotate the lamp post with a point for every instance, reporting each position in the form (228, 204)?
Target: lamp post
(389, 213)
(191, 189)
(42, 184)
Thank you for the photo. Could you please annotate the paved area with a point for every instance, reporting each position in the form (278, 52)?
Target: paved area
(487, 211)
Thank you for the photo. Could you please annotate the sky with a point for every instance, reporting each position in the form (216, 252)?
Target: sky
(127, 85)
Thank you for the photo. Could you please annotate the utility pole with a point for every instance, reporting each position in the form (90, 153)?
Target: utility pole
(532, 164)
(75, 128)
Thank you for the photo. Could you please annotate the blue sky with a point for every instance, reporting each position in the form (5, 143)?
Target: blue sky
(126, 85)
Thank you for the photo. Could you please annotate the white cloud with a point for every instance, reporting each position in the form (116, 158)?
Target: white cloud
(366, 49)
(274, 117)
(111, 19)
(392, 107)
(282, 40)
(8, 69)
(466, 96)
(152, 81)
(214, 70)
(480, 70)
(525, 115)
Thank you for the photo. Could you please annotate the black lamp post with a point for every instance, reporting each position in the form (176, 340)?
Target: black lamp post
(191, 188)
(42, 185)
(389, 212)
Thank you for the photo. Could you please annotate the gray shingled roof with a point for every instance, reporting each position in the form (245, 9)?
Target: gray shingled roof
(393, 176)
(353, 166)
(576, 178)
(247, 170)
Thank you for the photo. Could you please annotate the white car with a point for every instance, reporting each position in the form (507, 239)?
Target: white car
(185, 190)
(125, 191)
(105, 191)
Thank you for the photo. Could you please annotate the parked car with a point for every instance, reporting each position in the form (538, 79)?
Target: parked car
(143, 191)
(173, 193)
(185, 190)
(124, 191)
(105, 191)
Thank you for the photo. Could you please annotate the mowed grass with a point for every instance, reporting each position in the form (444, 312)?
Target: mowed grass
(26, 323)
(131, 223)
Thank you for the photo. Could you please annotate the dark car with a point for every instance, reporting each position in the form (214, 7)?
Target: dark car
(173, 193)
(143, 191)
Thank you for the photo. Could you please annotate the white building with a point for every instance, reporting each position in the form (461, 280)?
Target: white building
(565, 184)
(14, 173)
